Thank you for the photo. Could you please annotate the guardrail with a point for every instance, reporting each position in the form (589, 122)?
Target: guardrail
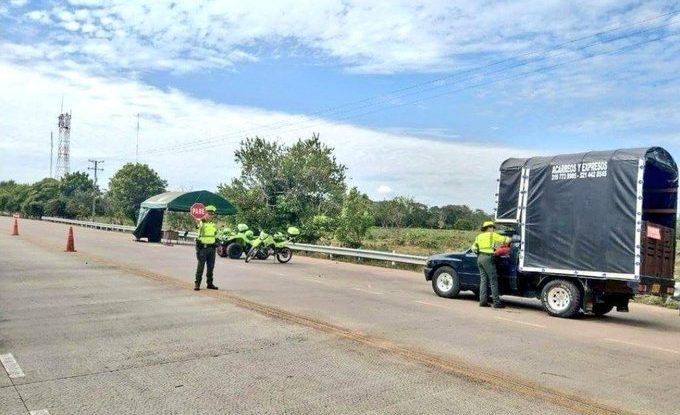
(87, 224)
(362, 253)
(330, 250)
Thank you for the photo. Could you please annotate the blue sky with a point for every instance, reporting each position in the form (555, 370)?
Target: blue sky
(515, 78)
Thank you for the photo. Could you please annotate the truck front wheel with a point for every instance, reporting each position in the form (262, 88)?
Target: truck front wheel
(445, 282)
(561, 298)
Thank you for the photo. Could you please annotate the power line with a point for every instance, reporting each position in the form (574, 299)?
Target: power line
(436, 83)
(207, 143)
(492, 81)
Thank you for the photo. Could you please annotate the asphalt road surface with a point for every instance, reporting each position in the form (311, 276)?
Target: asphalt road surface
(117, 328)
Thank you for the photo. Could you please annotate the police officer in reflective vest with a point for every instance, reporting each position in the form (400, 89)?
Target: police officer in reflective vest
(205, 248)
(485, 245)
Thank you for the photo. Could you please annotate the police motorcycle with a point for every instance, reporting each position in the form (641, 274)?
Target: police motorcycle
(275, 245)
(233, 243)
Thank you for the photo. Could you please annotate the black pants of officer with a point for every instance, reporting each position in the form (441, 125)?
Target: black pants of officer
(488, 278)
(205, 253)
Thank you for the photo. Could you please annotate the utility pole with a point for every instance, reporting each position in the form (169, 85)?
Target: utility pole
(137, 149)
(94, 191)
(51, 152)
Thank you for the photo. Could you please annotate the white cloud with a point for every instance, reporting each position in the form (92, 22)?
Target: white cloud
(70, 25)
(382, 36)
(384, 190)
(104, 121)
(627, 119)
(39, 16)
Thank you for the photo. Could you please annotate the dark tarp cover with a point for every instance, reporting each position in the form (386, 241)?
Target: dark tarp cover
(508, 193)
(149, 224)
(182, 201)
(579, 213)
(150, 218)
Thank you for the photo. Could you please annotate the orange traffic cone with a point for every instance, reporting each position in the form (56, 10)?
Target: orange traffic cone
(69, 242)
(15, 230)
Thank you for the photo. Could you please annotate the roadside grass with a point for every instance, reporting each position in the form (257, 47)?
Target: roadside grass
(418, 241)
(666, 302)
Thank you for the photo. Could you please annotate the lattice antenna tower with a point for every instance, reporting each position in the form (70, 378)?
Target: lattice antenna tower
(64, 151)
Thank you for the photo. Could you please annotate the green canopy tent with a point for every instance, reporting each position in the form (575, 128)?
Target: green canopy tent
(151, 211)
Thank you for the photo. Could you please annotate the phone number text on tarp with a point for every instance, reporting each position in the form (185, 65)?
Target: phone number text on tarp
(589, 170)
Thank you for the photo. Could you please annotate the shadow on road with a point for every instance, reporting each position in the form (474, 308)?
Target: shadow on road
(615, 318)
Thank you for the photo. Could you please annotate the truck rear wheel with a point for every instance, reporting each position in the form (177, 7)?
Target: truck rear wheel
(445, 282)
(602, 309)
(561, 298)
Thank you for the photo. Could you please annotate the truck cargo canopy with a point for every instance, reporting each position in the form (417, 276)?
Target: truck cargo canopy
(583, 213)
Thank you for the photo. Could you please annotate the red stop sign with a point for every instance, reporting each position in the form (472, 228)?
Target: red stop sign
(197, 211)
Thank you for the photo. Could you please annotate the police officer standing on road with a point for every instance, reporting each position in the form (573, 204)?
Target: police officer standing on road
(205, 248)
(485, 245)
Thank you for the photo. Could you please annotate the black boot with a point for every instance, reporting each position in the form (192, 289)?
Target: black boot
(212, 287)
(498, 305)
(197, 287)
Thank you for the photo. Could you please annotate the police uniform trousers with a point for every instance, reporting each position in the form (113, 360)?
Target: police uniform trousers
(488, 278)
(205, 254)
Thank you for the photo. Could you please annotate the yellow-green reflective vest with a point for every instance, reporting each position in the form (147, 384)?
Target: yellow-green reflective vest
(207, 232)
(487, 242)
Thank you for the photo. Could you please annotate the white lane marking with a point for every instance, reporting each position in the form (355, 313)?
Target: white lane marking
(433, 305)
(520, 322)
(367, 291)
(39, 412)
(11, 366)
(661, 349)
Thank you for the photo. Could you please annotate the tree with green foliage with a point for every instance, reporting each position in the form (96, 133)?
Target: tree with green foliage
(39, 196)
(12, 195)
(286, 185)
(396, 212)
(404, 212)
(355, 219)
(69, 197)
(464, 225)
(130, 186)
(76, 192)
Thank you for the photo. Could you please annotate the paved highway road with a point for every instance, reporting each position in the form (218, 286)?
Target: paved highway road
(117, 326)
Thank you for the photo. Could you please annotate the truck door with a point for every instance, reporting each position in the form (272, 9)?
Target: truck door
(469, 274)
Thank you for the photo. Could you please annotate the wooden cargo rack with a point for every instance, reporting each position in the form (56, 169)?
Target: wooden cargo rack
(657, 247)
